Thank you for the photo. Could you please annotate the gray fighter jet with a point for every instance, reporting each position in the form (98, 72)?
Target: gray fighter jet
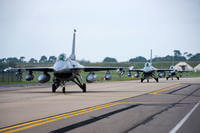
(149, 71)
(174, 73)
(64, 70)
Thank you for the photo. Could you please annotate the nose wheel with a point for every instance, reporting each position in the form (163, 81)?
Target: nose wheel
(63, 89)
(54, 88)
(84, 87)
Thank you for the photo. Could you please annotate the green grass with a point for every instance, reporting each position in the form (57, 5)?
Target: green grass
(99, 77)
(192, 74)
(164, 65)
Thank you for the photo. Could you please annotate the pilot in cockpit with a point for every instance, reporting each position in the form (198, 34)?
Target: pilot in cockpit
(62, 57)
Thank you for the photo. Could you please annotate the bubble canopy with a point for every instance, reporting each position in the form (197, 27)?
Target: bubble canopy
(62, 57)
(147, 64)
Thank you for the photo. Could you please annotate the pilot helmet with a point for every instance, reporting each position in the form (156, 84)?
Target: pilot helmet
(62, 57)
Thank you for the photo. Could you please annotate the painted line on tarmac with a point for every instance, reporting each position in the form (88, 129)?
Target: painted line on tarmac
(61, 116)
(165, 89)
(180, 123)
(27, 125)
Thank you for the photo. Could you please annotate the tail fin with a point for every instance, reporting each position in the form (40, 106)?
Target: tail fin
(151, 57)
(72, 56)
(173, 60)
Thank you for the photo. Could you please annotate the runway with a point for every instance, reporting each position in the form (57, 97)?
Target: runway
(119, 106)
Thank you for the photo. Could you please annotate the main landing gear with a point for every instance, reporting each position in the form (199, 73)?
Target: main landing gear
(172, 78)
(153, 76)
(77, 80)
(55, 85)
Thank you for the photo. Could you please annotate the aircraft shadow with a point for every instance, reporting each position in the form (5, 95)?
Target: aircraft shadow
(76, 92)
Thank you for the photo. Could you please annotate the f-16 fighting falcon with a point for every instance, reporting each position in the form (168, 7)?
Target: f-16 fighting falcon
(174, 73)
(149, 71)
(65, 69)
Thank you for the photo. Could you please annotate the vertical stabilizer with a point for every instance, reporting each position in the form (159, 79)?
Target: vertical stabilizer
(151, 57)
(72, 56)
(173, 60)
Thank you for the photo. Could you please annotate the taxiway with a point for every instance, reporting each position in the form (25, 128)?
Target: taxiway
(120, 106)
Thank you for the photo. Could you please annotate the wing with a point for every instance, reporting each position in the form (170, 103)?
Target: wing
(163, 70)
(98, 68)
(42, 69)
(137, 70)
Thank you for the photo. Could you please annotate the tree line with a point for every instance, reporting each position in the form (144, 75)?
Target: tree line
(178, 56)
(43, 59)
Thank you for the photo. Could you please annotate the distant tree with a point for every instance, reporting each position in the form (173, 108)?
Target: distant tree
(52, 59)
(43, 59)
(189, 55)
(21, 59)
(32, 60)
(3, 60)
(169, 58)
(157, 59)
(177, 53)
(109, 59)
(195, 57)
(179, 58)
(84, 61)
(138, 59)
(12, 59)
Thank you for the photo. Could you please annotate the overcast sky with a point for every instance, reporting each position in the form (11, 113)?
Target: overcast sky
(122, 29)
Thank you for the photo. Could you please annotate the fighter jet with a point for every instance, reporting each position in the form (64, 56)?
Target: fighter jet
(64, 70)
(174, 73)
(148, 71)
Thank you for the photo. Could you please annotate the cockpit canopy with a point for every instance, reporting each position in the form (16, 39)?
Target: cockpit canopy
(171, 67)
(147, 64)
(62, 57)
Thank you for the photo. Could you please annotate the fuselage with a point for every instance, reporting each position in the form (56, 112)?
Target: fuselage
(63, 69)
(148, 68)
(173, 71)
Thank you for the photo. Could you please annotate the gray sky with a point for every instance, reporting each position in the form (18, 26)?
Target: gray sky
(116, 28)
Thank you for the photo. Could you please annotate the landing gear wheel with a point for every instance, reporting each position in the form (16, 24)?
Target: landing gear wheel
(166, 78)
(84, 87)
(147, 80)
(157, 80)
(63, 89)
(142, 80)
(178, 78)
(53, 88)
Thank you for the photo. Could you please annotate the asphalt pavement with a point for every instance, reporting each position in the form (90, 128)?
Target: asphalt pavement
(122, 106)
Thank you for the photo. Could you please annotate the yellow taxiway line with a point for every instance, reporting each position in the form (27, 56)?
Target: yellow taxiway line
(165, 89)
(27, 125)
(60, 116)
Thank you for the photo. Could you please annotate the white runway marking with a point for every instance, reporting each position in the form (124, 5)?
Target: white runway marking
(176, 128)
